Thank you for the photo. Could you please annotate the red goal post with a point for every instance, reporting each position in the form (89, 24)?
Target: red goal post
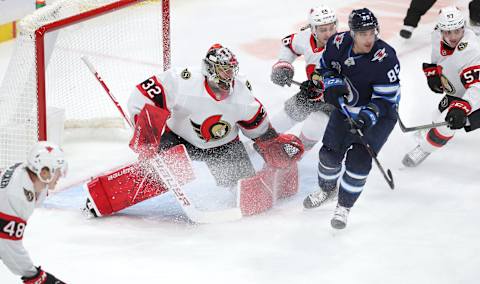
(46, 82)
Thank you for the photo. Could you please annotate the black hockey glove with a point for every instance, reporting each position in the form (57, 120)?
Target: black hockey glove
(282, 73)
(367, 117)
(42, 277)
(457, 114)
(335, 88)
(433, 72)
(312, 90)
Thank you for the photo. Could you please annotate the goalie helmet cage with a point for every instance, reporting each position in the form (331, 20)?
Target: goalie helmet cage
(128, 41)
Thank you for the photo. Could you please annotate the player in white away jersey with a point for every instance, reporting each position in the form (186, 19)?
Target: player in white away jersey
(207, 108)
(303, 106)
(455, 72)
(23, 186)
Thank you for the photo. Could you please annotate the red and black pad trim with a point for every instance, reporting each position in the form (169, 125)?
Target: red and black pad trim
(153, 90)
(470, 76)
(436, 139)
(11, 227)
(256, 120)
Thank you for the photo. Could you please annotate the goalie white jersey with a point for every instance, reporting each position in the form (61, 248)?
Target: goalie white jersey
(302, 43)
(17, 202)
(197, 114)
(461, 67)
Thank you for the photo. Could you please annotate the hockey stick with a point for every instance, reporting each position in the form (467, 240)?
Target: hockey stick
(167, 177)
(296, 83)
(419, 127)
(388, 175)
(107, 90)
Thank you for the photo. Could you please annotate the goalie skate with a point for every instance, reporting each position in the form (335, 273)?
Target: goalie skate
(415, 157)
(319, 198)
(340, 216)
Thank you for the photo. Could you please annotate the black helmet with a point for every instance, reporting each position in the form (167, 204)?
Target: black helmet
(362, 20)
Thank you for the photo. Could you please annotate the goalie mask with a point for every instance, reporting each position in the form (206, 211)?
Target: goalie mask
(220, 66)
(47, 155)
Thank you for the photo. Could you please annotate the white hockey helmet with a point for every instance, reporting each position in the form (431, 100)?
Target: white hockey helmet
(46, 155)
(321, 15)
(220, 66)
(450, 18)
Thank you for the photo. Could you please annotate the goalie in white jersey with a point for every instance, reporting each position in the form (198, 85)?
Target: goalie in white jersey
(206, 109)
(23, 186)
(306, 105)
(455, 72)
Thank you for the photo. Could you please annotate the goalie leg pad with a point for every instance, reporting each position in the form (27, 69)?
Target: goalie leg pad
(256, 194)
(286, 183)
(137, 182)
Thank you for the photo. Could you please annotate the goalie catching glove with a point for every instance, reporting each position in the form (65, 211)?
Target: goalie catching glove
(42, 277)
(282, 73)
(279, 150)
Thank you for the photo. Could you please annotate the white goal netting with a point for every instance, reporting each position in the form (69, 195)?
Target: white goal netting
(124, 44)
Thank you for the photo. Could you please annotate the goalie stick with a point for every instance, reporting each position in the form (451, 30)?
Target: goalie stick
(195, 215)
(419, 127)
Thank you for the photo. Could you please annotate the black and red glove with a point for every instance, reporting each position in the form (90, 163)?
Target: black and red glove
(457, 114)
(280, 151)
(42, 277)
(433, 72)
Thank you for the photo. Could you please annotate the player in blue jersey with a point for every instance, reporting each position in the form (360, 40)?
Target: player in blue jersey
(359, 73)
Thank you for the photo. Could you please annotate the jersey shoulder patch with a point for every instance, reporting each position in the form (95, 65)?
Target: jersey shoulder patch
(185, 74)
(462, 45)
(29, 195)
(249, 86)
(339, 39)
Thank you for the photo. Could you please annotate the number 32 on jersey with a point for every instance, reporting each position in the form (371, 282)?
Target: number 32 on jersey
(153, 90)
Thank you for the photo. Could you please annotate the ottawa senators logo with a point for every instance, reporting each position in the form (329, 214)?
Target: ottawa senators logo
(212, 128)
(448, 86)
(29, 195)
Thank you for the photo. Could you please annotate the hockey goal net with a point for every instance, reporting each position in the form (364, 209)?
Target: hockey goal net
(47, 83)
